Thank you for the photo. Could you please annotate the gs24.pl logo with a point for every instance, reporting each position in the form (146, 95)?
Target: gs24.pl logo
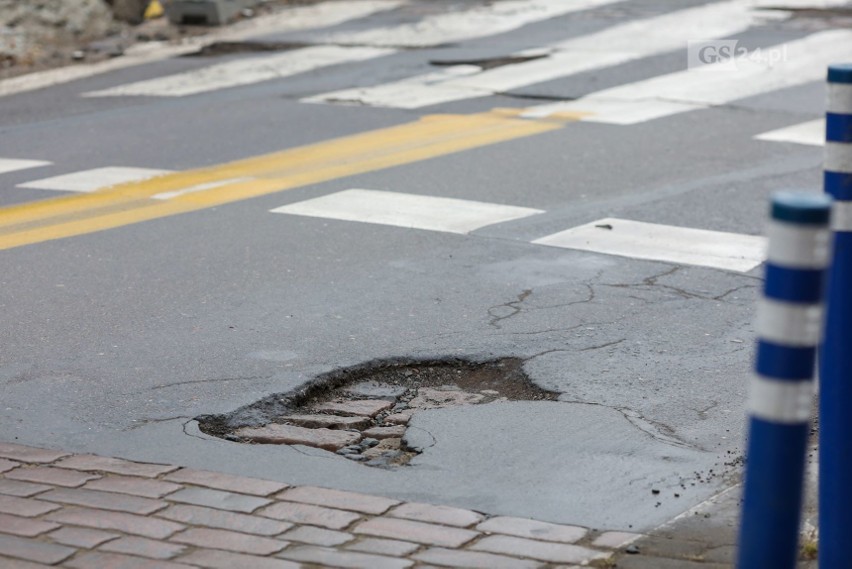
(728, 55)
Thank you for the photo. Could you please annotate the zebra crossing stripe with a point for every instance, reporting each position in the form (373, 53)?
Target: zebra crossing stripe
(95, 179)
(700, 87)
(291, 18)
(811, 133)
(443, 28)
(245, 71)
(609, 47)
(12, 164)
(407, 210)
(640, 240)
(460, 25)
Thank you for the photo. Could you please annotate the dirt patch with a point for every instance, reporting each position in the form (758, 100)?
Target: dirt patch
(35, 38)
(362, 413)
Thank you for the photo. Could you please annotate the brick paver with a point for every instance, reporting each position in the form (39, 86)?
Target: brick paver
(318, 536)
(24, 527)
(388, 547)
(103, 500)
(417, 532)
(83, 538)
(51, 475)
(521, 527)
(144, 547)
(474, 559)
(27, 507)
(230, 541)
(127, 523)
(544, 551)
(208, 517)
(29, 454)
(219, 500)
(326, 556)
(93, 463)
(226, 482)
(338, 499)
(436, 514)
(225, 560)
(86, 511)
(7, 465)
(33, 550)
(119, 561)
(143, 487)
(21, 489)
(308, 514)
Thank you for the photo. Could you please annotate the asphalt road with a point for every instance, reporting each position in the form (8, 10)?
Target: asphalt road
(122, 325)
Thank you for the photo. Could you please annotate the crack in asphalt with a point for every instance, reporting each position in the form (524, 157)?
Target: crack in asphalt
(212, 380)
(653, 281)
(139, 423)
(608, 344)
(658, 431)
(514, 306)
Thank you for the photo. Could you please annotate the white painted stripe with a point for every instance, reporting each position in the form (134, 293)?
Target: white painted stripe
(96, 179)
(13, 165)
(245, 71)
(811, 133)
(479, 21)
(841, 216)
(798, 246)
(839, 98)
(407, 210)
(609, 47)
(291, 18)
(778, 401)
(729, 251)
(804, 61)
(838, 157)
(789, 324)
(198, 188)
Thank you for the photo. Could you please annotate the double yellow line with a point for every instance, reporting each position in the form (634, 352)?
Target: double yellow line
(428, 137)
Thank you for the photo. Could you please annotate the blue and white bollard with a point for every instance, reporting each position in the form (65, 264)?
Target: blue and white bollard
(789, 328)
(835, 437)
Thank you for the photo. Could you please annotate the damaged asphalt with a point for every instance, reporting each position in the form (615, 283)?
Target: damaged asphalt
(115, 343)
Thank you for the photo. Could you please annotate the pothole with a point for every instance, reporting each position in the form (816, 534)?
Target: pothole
(363, 413)
(220, 48)
(487, 63)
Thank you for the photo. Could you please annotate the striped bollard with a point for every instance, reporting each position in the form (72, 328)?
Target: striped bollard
(789, 326)
(835, 437)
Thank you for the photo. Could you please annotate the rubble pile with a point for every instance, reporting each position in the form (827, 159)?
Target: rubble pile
(36, 31)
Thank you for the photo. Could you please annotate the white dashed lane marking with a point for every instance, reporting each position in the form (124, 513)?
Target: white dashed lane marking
(13, 164)
(680, 245)
(95, 179)
(811, 133)
(407, 210)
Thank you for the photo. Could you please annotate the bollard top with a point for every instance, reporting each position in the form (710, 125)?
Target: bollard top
(801, 208)
(840, 73)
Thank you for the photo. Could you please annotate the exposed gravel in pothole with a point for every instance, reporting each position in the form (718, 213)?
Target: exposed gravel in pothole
(362, 413)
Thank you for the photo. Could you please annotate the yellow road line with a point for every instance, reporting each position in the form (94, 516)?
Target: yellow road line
(428, 137)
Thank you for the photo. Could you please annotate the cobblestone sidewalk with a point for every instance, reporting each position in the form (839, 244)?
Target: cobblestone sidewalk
(85, 511)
